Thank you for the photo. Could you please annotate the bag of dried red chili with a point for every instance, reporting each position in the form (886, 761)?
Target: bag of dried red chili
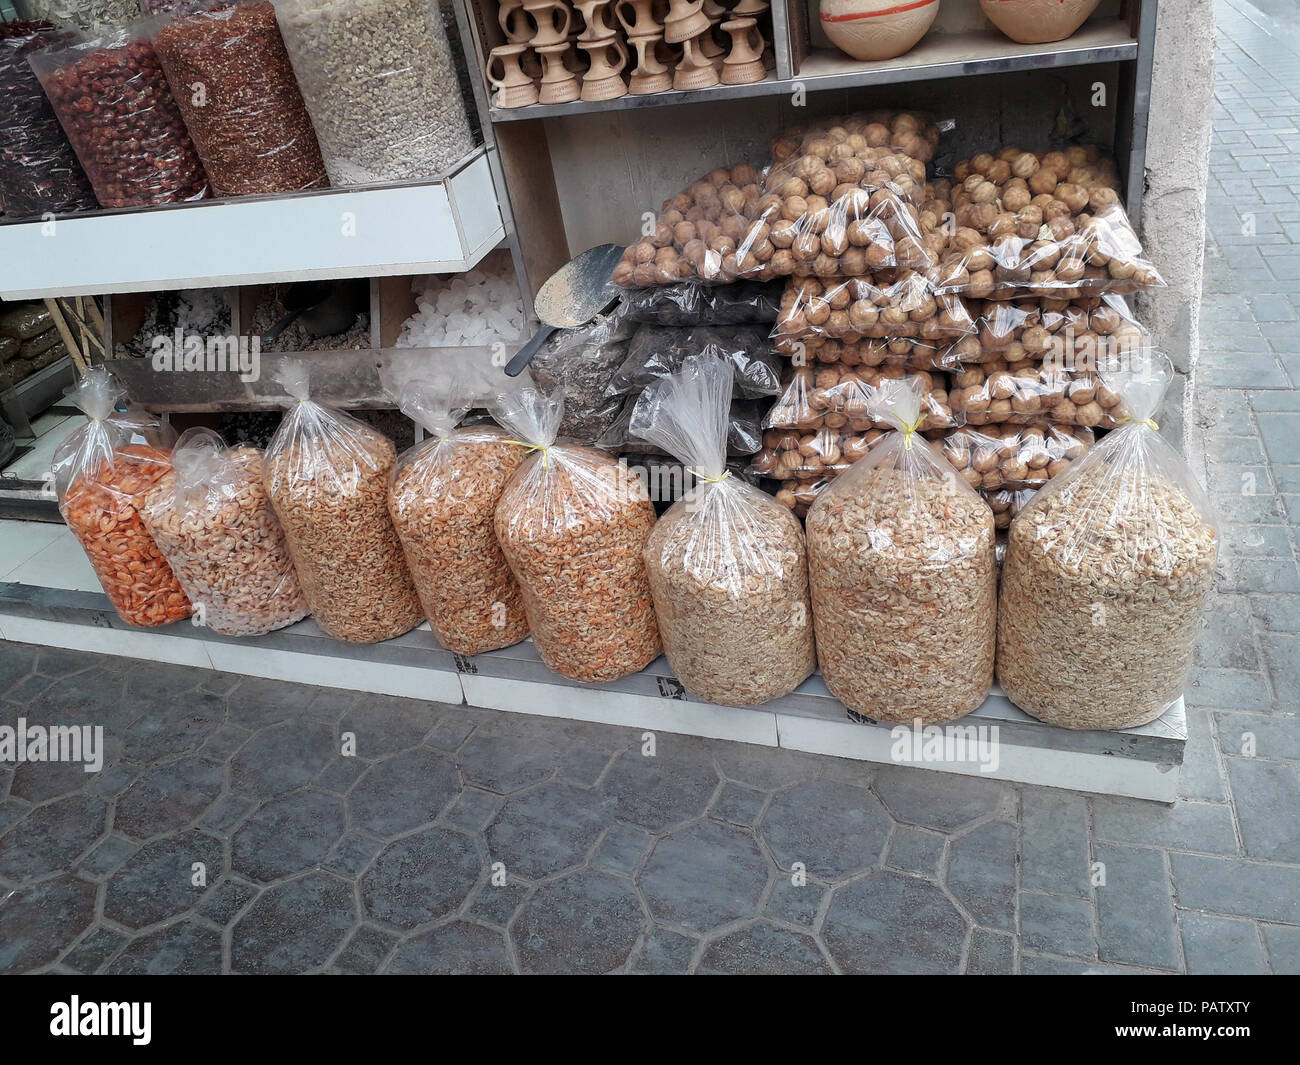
(240, 100)
(102, 473)
(39, 171)
(573, 525)
(904, 583)
(113, 101)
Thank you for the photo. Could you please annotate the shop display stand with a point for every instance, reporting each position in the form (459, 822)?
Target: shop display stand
(1139, 763)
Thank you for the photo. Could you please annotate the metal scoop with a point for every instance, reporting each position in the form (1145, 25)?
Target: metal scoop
(572, 296)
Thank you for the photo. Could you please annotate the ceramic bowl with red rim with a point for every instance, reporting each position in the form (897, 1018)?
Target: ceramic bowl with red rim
(877, 29)
(1038, 21)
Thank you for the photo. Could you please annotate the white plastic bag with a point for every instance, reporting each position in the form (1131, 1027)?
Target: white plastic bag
(904, 583)
(328, 476)
(727, 564)
(573, 524)
(1108, 572)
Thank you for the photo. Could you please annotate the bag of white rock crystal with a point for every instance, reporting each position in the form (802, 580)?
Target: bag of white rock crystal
(1107, 573)
(904, 584)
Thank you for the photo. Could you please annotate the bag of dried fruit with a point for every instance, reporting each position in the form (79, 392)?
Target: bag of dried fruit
(443, 502)
(328, 477)
(727, 564)
(904, 586)
(213, 521)
(573, 523)
(1107, 575)
(101, 475)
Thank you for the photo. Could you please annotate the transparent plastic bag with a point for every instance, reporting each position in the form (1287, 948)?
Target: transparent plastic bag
(1047, 224)
(842, 398)
(1073, 332)
(582, 362)
(744, 427)
(1108, 573)
(88, 16)
(727, 564)
(1006, 503)
(904, 583)
(888, 304)
(1015, 456)
(443, 502)
(328, 477)
(694, 303)
(113, 101)
(1030, 390)
(573, 524)
(39, 171)
(381, 85)
(907, 352)
(247, 120)
(213, 522)
(811, 455)
(102, 473)
(657, 351)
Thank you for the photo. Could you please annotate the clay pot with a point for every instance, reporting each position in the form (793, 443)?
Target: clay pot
(515, 23)
(597, 20)
(604, 80)
(685, 20)
(744, 63)
(552, 18)
(652, 74)
(514, 87)
(558, 85)
(877, 29)
(695, 71)
(1038, 21)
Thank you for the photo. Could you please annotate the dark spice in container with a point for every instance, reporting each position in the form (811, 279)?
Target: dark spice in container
(241, 101)
(113, 102)
(39, 171)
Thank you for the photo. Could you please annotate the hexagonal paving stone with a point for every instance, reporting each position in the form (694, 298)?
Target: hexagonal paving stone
(763, 949)
(510, 753)
(704, 876)
(168, 797)
(172, 726)
(384, 724)
(548, 828)
(158, 683)
(50, 838)
(982, 874)
(911, 795)
(586, 922)
(294, 926)
(41, 781)
(403, 792)
(256, 702)
(282, 758)
(456, 949)
(766, 768)
(421, 877)
(184, 949)
(84, 699)
(37, 923)
(660, 792)
(890, 923)
(288, 835)
(157, 881)
(835, 829)
(16, 662)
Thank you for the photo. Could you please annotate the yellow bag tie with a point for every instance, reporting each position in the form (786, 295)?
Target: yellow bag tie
(1148, 422)
(545, 449)
(908, 430)
(708, 480)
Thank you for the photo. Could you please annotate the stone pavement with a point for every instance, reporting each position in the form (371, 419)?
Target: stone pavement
(682, 862)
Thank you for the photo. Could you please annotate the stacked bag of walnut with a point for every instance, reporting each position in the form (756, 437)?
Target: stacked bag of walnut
(1107, 574)
(1044, 251)
(727, 564)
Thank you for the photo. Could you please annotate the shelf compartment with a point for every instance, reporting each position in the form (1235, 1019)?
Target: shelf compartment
(445, 226)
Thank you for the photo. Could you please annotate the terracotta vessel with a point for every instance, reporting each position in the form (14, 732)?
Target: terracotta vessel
(652, 74)
(637, 17)
(515, 23)
(1038, 21)
(695, 71)
(877, 29)
(514, 87)
(597, 19)
(552, 18)
(558, 85)
(604, 80)
(685, 20)
(744, 63)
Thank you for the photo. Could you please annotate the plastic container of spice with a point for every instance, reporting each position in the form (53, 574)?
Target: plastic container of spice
(88, 16)
(381, 86)
(242, 105)
(39, 171)
(112, 98)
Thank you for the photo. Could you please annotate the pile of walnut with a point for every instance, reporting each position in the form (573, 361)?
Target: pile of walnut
(1079, 333)
(1014, 456)
(810, 455)
(1047, 224)
(840, 397)
(842, 198)
(907, 352)
(1025, 391)
(887, 304)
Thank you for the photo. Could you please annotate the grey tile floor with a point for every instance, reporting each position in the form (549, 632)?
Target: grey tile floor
(469, 841)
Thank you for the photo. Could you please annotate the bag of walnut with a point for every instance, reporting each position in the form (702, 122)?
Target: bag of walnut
(727, 563)
(212, 520)
(443, 500)
(328, 477)
(1107, 574)
(573, 524)
(904, 583)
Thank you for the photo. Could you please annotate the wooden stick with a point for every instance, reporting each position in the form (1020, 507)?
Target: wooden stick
(52, 306)
(87, 330)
